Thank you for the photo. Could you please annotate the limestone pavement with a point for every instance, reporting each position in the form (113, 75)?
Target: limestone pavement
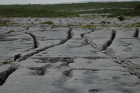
(70, 59)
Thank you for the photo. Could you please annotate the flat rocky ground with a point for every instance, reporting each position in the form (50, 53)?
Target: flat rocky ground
(70, 58)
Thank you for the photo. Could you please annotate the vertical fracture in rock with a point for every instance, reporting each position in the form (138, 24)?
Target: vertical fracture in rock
(36, 43)
(136, 34)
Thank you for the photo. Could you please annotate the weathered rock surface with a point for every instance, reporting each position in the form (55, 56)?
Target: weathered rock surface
(69, 59)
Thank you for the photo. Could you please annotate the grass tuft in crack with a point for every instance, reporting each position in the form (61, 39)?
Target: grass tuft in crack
(6, 62)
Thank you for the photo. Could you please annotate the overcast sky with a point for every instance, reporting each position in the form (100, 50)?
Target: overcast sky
(43, 1)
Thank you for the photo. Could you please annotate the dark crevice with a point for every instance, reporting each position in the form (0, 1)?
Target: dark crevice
(13, 66)
(67, 60)
(36, 43)
(82, 35)
(134, 69)
(5, 74)
(48, 59)
(40, 70)
(68, 73)
(109, 42)
(132, 57)
(88, 41)
(94, 58)
(69, 36)
(136, 33)
(17, 57)
(85, 69)
(54, 59)
(94, 90)
(62, 65)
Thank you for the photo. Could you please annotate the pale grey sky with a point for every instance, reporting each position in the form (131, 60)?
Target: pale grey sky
(45, 1)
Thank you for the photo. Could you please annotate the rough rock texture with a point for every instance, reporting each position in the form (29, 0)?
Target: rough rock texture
(70, 59)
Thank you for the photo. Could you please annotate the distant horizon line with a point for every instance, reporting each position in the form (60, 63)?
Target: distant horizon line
(105, 1)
